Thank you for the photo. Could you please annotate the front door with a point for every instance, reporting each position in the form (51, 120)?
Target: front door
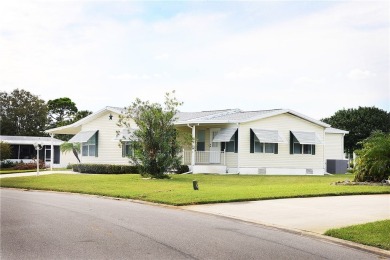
(215, 147)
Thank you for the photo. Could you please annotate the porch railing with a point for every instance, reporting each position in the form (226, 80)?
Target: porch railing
(205, 157)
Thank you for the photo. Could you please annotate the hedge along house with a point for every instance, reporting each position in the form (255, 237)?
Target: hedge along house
(225, 141)
(23, 149)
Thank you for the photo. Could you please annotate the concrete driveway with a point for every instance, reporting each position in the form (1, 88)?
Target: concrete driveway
(308, 214)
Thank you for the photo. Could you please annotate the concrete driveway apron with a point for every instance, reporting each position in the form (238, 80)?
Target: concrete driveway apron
(308, 214)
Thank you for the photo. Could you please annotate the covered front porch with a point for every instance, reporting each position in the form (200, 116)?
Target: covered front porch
(214, 149)
(211, 161)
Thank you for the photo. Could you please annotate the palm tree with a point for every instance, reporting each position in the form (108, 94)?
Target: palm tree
(74, 147)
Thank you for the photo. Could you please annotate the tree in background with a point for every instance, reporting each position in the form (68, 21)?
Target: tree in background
(80, 115)
(61, 111)
(360, 123)
(5, 151)
(155, 142)
(22, 113)
(373, 161)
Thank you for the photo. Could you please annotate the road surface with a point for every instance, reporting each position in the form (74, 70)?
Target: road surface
(49, 225)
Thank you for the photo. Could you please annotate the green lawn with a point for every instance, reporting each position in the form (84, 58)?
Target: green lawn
(373, 234)
(6, 171)
(178, 190)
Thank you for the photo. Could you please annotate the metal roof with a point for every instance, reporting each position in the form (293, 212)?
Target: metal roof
(30, 140)
(331, 130)
(82, 137)
(225, 116)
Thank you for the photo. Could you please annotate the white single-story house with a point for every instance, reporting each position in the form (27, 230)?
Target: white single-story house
(22, 148)
(278, 141)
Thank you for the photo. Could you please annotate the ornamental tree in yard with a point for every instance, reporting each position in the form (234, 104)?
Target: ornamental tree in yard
(373, 161)
(154, 142)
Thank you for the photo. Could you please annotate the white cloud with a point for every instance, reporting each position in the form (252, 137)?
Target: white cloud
(59, 49)
(358, 74)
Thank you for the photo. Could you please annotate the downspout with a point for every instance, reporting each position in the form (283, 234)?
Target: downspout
(51, 151)
(238, 149)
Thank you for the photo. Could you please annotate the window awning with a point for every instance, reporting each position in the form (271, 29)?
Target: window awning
(268, 136)
(306, 137)
(125, 134)
(82, 137)
(225, 135)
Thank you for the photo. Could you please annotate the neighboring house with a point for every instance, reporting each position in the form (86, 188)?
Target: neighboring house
(275, 141)
(23, 149)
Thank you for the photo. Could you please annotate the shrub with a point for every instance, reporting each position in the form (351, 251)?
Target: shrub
(7, 164)
(69, 166)
(29, 166)
(182, 169)
(104, 168)
(5, 151)
(373, 161)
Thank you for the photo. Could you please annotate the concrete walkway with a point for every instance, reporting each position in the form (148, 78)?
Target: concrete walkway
(24, 174)
(308, 214)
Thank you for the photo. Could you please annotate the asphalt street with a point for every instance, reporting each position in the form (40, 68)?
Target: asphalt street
(49, 225)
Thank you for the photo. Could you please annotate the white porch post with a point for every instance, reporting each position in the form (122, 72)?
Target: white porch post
(51, 151)
(193, 148)
(238, 149)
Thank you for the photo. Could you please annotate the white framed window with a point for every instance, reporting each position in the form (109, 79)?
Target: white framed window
(302, 148)
(89, 148)
(127, 149)
(265, 147)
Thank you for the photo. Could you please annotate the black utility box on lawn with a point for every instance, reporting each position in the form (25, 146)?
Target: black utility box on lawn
(336, 166)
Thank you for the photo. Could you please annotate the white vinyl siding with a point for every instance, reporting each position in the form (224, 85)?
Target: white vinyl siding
(334, 148)
(110, 151)
(284, 123)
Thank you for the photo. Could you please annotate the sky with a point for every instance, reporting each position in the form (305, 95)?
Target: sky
(314, 57)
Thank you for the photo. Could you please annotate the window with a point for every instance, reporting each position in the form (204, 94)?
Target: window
(298, 148)
(256, 146)
(127, 149)
(231, 146)
(264, 147)
(200, 143)
(89, 148)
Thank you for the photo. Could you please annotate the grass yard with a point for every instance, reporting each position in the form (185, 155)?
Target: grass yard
(6, 171)
(178, 190)
(372, 234)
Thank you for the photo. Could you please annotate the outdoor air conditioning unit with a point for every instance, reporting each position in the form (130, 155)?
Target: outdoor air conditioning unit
(336, 166)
